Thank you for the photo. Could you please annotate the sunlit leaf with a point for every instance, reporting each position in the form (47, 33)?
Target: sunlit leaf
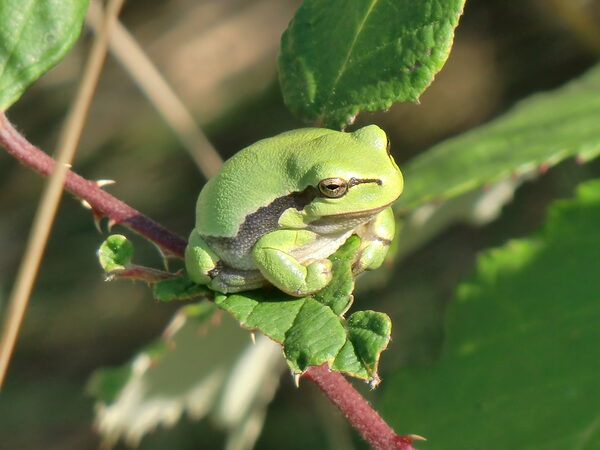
(191, 369)
(536, 134)
(312, 329)
(34, 36)
(339, 57)
(115, 253)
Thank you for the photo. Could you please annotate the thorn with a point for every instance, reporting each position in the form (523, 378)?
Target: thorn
(85, 204)
(68, 166)
(163, 256)
(374, 382)
(543, 168)
(415, 437)
(102, 183)
(97, 216)
(253, 337)
(111, 223)
(109, 277)
(297, 379)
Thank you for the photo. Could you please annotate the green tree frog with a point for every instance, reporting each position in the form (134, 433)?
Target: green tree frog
(279, 208)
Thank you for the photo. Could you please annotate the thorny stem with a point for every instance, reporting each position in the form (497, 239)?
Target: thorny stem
(341, 393)
(359, 413)
(50, 198)
(103, 204)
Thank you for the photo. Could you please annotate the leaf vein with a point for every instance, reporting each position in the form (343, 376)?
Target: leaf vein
(11, 52)
(350, 50)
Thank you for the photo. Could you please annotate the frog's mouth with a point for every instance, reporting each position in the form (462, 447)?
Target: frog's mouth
(349, 215)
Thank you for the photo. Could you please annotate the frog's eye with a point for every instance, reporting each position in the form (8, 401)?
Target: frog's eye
(333, 187)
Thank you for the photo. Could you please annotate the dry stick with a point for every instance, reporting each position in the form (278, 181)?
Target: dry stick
(145, 74)
(340, 392)
(46, 212)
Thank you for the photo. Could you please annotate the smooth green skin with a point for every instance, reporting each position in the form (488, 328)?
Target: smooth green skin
(293, 255)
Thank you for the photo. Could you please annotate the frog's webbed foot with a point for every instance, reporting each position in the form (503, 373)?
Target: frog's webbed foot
(376, 237)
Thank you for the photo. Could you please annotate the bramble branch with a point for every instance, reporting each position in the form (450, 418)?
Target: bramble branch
(359, 413)
(102, 203)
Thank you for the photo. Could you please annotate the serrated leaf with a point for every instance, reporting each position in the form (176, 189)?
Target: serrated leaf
(538, 132)
(178, 288)
(368, 335)
(521, 360)
(34, 36)
(115, 253)
(339, 57)
(312, 329)
(187, 370)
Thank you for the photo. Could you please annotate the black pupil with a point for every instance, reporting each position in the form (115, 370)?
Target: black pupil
(332, 187)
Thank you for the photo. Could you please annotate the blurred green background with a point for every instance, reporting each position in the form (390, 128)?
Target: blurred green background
(220, 56)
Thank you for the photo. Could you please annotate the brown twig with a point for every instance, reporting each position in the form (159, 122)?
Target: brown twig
(341, 393)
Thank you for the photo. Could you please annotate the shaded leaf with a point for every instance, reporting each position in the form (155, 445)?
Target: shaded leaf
(312, 329)
(34, 36)
(521, 360)
(178, 288)
(339, 57)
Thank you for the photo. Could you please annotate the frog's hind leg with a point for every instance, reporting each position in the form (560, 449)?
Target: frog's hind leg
(205, 267)
(227, 280)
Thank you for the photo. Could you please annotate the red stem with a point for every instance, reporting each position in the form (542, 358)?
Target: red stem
(101, 201)
(356, 409)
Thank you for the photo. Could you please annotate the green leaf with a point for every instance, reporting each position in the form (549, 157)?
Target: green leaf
(537, 133)
(34, 36)
(521, 361)
(179, 288)
(339, 57)
(115, 253)
(312, 329)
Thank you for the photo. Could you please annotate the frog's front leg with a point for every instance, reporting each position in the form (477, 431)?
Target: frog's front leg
(376, 237)
(273, 255)
(199, 259)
